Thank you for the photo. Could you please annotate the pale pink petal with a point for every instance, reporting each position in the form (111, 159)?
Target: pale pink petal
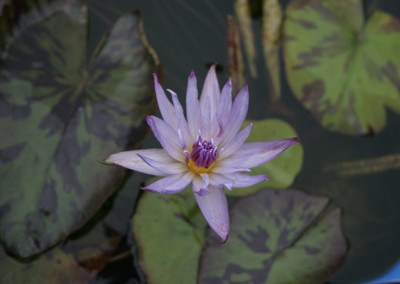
(193, 112)
(166, 108)
(171, 184)
(214, 207)
(167, 136)
(237, 116)
(231, 146)
(131, 160)
(241, 180)
(261, 152)
(166, 168)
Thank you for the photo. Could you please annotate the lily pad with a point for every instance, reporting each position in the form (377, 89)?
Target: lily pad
(170, 232)
(344, 69)
(282, 170)
(84, 253)
(60, 116)
(276, 237)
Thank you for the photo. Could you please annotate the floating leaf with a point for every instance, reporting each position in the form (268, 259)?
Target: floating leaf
(84, 253)
(235, 57)
(271, 36)
(52, 268)
(283, 169)
(242, 10)
(276, 237)
(61, 116)
(343, 69)
(169, 230)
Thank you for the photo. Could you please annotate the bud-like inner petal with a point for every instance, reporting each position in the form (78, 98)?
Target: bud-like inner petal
(204, 153)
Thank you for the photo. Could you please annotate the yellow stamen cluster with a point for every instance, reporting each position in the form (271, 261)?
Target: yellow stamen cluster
(200, 170)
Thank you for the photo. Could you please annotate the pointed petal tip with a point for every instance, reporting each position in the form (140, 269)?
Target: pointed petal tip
(172, 92)
(149, 120)
(155, 78)
(203, 192)
(223, 239)
(192, 75)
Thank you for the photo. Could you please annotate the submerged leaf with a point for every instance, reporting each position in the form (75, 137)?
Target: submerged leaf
(61, 117)
(242, 10)
(235, 57)
(344, 70)
(271, 36)
(365, 166)
(276, 237)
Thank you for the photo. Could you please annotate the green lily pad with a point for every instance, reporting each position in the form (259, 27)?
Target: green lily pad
(59, 117)
(342, 68)
(169, 231)
(85, 252)
(276, 237)
(282, 170)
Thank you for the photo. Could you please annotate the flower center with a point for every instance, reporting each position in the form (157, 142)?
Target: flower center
(203, 155)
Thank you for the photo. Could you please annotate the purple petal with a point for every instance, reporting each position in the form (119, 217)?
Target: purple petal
(242, 180)
(225, 104)
(215, 210)
(167, 136)
(229, 170)
(184, 132)
(261, 152)
(234, 144)
(131, 160)
(200, 185)
(220, 180)
(206, 119)
(193, 112)
(171, 184)
(237, 116)
(166, 108)
(169, 168)
(210, 91)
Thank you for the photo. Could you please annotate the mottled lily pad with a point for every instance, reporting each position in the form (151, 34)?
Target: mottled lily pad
(59, 116)
(282, 170)
(344, 69)
(85, 252)
(276, 237)
(169, 231)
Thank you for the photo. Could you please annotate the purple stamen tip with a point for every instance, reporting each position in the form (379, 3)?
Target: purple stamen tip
(204, 153)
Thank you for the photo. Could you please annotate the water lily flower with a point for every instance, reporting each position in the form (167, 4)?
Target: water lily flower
(205, 149)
